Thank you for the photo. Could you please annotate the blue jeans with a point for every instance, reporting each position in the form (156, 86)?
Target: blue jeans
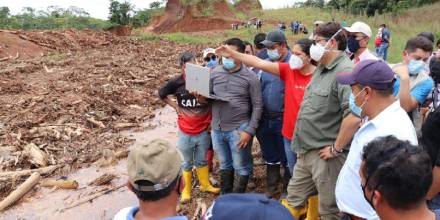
(271, 141)
(225, 144)
(290, 155)
(383, 51)
(193, 149)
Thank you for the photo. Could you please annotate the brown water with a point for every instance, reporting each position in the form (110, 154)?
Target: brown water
(45, 203)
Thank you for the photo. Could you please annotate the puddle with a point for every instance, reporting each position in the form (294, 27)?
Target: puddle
(45, 203)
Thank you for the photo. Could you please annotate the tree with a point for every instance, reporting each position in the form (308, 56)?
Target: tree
(114, 15)
(141, 18)
(120, 12)
(155, 5)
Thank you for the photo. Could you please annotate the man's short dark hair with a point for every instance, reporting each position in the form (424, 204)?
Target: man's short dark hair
(383, 25)
(429, 35)
(260, 37)
(419, 43)
(241, 47)
(185, 57)
(401, 172)
(156, 195)
(328, 29)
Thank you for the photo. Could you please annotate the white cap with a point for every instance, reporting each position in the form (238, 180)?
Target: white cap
(318, 22)
(359, 27)
(208, 51)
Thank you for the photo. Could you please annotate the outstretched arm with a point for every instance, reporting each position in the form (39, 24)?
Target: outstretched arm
(267, 66)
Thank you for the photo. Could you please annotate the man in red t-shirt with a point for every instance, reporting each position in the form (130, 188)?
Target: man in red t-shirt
(194, 118)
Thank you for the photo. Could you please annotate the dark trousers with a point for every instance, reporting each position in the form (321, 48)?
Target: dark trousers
(271, 141)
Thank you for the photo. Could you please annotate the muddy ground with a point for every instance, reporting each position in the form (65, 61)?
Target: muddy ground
(79, 98)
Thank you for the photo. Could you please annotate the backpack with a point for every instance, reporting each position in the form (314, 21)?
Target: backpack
(378, 41)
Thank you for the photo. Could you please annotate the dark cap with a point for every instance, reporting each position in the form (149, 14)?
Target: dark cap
(274, 37)
(373, 73)
(248, 206)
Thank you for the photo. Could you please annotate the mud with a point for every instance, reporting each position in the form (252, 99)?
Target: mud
(36, 204)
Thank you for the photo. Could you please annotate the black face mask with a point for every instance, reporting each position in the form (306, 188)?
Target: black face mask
(365, 196)
(353, 44)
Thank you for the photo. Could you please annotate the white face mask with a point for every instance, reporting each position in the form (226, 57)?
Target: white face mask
(317, 50)
(295, 62)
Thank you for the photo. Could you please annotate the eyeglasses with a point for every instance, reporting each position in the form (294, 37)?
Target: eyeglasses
(319, 40)
(207, 59)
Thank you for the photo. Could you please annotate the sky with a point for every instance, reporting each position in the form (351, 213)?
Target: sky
(99, 8)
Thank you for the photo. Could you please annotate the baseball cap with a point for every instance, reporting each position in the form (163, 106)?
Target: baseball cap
(373, 73)
(359, 27)
(274, 37)
(208, 51)
(156, 161)
(318, 22)
(250, 206)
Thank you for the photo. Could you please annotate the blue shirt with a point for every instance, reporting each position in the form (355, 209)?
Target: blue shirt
(129, 212)
(272, 88)
(420, 92)
(386, 35)
(262, 54)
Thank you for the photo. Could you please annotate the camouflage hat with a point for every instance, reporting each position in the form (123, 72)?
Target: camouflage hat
(156, 161)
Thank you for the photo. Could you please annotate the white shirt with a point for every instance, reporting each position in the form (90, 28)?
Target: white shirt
(366, 55)
(391, 121)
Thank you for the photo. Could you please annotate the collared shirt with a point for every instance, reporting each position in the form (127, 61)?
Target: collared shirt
(391, 121)
(243, 91)
(272, 88)
(366, 55)
(129, 213)
(324, 106)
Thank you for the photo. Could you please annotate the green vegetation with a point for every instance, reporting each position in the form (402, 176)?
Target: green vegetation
(53, 17)
(367, 7)
(408, 24)
(178, 37)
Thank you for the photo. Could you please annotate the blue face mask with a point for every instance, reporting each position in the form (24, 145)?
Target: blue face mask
(415, 66)
(273, 54)
(228, 64)
(211, 64)
(356, 110)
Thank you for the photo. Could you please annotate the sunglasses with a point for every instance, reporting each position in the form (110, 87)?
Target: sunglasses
(207, 59)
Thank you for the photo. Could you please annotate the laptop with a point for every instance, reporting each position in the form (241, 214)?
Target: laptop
(198, 80)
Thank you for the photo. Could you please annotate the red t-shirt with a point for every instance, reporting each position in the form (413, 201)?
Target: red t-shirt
(295, 86)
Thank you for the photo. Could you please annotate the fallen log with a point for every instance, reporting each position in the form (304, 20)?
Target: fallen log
(4, 176)
(20, 191)
(62, 184)
(97, 123)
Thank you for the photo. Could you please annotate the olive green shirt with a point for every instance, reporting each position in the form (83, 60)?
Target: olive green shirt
(324, 106)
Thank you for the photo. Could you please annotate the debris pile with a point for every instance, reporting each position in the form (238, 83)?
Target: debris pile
(67, 107)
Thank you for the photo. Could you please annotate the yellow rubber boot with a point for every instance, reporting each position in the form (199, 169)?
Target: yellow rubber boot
(312, 210)
(205, 185)
(297, 213)
(186, 192)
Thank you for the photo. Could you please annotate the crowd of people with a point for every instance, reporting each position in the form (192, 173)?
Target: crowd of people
(344, 134)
